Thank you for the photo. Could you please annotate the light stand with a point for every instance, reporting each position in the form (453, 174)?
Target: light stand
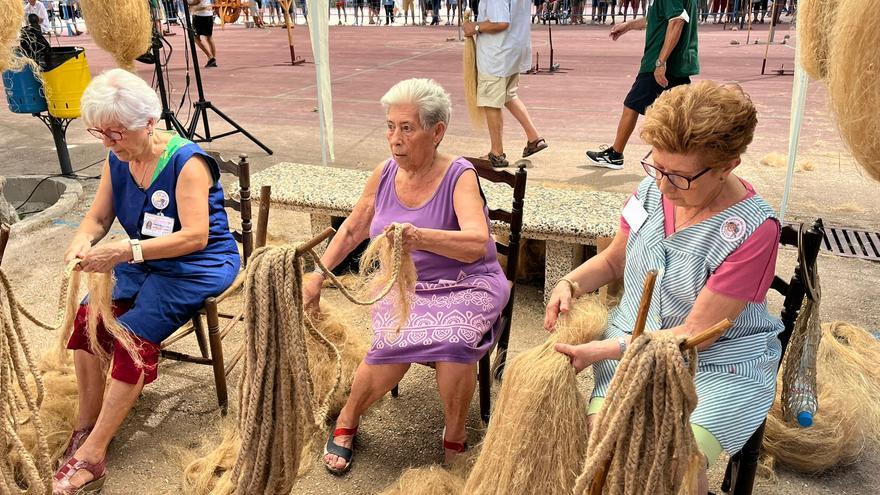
(168, 116)
(202, 105)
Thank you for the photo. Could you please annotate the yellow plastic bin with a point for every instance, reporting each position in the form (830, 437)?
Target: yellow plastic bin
(65, 79)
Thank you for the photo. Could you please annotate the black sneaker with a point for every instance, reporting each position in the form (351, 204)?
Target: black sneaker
(211, 63)
(605, 157)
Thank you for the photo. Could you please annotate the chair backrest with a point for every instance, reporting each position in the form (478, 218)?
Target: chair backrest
(242, 171)
(513, 217)
(804, 282)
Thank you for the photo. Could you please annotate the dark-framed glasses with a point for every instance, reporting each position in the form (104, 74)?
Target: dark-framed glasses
(679, 181)
(101, 134)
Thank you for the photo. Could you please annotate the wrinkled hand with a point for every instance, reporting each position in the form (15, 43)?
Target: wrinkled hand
(312, 283)
(77, 250)
(411, 235)
(580, 356)
(560, 302)
(469, 28)
(617, 30)
(104, 257)
(660, 76)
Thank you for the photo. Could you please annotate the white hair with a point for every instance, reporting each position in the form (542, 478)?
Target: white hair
(433, 101)
(119, 96)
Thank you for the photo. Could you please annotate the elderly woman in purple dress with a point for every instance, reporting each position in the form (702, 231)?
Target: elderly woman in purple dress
(461, 288)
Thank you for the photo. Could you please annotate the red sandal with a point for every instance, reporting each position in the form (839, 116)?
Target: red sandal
(77, 438)
(61, 484)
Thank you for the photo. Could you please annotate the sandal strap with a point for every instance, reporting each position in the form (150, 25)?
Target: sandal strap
(456, 446)
(65, 472)
(338, 450)
(342, 431)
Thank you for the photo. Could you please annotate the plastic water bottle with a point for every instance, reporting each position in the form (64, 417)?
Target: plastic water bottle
(802, 395)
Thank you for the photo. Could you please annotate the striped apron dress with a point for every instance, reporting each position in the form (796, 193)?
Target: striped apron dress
(736, 376)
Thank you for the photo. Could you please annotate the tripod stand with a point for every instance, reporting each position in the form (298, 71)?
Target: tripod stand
(202, 105)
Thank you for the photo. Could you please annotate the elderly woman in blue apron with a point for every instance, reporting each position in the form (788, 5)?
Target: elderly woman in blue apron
(714, 243)
(165, 193)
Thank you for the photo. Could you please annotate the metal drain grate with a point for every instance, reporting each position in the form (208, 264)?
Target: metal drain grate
(852, 243)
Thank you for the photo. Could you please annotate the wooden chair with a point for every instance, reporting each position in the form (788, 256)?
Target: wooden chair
(210, 347)
(739, 477)
(513, 217)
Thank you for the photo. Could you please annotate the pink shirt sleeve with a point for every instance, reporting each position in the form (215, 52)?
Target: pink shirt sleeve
(747, 272)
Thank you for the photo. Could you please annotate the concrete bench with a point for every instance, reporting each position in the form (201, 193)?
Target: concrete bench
(566, 218)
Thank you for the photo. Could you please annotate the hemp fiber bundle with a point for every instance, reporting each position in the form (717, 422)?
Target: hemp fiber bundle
(854, 82)
(469, 69)
(848, 419)
(11, 15)
(537, 436)
(431, 480)
(642, 436)
(815, 27)
(120, 27)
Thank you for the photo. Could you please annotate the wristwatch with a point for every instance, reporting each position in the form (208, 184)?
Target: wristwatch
(477, 28)
(660, 63)
(137, 253)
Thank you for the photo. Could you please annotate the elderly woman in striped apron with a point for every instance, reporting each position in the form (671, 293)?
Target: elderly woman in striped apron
(714, 244)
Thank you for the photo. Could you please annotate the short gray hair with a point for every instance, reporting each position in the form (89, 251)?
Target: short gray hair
(433, 101)
(120, 96)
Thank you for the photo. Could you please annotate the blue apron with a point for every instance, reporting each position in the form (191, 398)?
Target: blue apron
(168, 292)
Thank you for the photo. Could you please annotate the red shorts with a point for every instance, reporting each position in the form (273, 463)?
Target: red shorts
(124, 369)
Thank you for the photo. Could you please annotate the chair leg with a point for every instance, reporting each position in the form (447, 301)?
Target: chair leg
(743, 474)
(730, 472)
(217, 353)
(395, 391)
(484, 376)
(199, 330)
(501, 349)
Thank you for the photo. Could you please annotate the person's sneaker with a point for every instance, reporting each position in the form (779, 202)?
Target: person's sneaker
(211, 63)
(605, 157)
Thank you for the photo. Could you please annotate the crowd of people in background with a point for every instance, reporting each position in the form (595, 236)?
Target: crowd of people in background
(64, 18)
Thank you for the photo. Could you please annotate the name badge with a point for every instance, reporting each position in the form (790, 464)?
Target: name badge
(634, 214)
(157, 225)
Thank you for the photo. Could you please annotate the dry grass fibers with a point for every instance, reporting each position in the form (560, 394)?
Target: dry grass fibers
(539, 416)
(774, 159)
(330, 365)
(848, 418)
(854, 82)
(815, 27)
(431, 480)
(11, 14)
(121, 27)
(469, 69)
(642, 437)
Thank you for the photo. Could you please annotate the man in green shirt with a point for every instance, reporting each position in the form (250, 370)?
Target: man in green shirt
(669, 60)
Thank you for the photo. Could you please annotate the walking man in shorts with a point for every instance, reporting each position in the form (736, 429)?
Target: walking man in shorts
(203, 24)
(504, 49)
(670, 58)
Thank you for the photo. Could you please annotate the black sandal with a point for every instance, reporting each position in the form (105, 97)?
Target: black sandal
(497, 161)
(338, 450)
(535, 146)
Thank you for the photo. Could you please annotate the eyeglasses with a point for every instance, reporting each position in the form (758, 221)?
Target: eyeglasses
(679, 181)
(111, 135)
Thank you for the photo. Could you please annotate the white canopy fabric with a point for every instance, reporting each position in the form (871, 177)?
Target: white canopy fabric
(319, 33)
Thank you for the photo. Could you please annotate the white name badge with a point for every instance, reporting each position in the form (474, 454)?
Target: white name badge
(634, 214)
(157, 225)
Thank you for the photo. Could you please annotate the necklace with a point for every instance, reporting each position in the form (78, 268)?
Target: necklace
(681, 225)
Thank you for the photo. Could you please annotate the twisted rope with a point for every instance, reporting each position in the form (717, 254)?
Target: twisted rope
(646, 422)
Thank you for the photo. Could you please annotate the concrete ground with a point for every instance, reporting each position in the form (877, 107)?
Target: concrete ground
(575, 109)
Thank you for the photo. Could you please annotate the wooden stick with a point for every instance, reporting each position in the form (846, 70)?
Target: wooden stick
(645, 304)
(314, 241)
(708, 334)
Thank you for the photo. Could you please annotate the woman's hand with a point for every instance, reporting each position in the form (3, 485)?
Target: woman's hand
(411, 235)
(104, 257)
(582, 355)
(78, 249)
(560, 302)
(312, 283)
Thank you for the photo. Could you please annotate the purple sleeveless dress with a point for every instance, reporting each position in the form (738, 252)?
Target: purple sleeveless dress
(456, 306)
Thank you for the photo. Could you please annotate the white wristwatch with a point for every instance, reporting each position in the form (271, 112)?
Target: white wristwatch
(137, 253)
(477, 28)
